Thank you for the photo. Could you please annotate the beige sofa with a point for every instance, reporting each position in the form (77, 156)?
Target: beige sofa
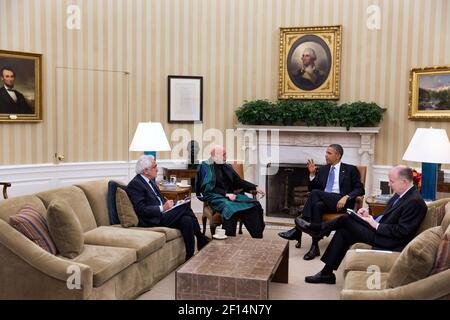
(360, 260)
(116, 263)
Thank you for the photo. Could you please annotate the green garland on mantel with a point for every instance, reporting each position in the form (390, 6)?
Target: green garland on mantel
(310, 113)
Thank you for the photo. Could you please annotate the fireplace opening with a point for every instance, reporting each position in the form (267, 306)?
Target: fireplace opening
(287, 190)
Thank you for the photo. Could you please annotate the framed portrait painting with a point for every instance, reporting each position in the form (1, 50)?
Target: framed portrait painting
(20, 87)
(310, 60)
(185, 98)
(429, 93)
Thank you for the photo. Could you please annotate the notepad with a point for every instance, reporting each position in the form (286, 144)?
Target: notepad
(177, 204)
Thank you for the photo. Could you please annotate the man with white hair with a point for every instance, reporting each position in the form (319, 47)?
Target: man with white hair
(216, 182)
(152, 208)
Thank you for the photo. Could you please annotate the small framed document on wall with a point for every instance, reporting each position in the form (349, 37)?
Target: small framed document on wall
(185, 98)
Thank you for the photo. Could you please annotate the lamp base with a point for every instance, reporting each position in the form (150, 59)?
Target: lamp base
(151, 154)
(429, 181)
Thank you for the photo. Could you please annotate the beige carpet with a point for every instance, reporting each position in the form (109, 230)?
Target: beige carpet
(296, 289)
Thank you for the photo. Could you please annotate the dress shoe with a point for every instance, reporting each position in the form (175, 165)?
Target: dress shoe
(292, 234)
(313, 252)
(202, 242)
(321, 278)
(305, 226)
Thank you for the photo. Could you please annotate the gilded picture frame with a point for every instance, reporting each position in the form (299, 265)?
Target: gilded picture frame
(429, 93)
(310, 62)
(20, 86)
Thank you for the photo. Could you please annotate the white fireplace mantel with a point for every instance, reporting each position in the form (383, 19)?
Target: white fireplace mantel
(295, 144)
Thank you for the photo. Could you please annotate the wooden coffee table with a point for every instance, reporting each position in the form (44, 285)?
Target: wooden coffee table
(234, 268)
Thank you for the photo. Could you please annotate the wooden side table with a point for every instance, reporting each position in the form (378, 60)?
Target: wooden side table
(376, 207)
(176, 194)
(181, 173)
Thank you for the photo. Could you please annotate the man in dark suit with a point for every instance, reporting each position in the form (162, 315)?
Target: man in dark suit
(11, 100)
(333, 187)
(152, 208)
(392, 231)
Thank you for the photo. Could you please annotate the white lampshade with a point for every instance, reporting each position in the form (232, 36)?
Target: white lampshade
(428, 145)
(149, 136)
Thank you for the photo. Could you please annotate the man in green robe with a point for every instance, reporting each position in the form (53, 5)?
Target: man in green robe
(216, 182)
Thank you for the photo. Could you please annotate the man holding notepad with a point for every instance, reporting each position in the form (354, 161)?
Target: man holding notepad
(154, 210)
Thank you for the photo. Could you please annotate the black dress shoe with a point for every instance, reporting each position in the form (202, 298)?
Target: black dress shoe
(202, 242)
(305, 226)
(312, 253)
(321, 278)
(292, 234)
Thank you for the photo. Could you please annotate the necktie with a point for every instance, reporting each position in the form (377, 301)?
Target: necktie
(155, 190)
(330, 181)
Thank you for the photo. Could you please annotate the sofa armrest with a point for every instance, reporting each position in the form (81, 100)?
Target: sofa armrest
(432, 287)
(360, 259)
(40, 259)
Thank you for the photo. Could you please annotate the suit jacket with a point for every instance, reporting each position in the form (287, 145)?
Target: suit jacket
(236, 182)
(9, 106)
(400, 223)
(145, 202)
(349, 181)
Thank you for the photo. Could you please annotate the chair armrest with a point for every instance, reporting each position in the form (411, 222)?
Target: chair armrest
(5, 187)
(40, 259)
(359, 202)
(432, 287)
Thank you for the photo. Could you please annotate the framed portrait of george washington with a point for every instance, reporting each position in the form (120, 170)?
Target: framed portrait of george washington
(429, 93)
(20, 87)
(310, 62)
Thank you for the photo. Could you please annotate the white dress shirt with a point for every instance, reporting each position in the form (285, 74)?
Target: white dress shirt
(11, 93)
(337, 171)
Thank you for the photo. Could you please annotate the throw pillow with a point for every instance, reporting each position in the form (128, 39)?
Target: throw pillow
(125, 210)
(65, 229)
(442, 261)
(111, 202)
(416, 260)
(33, 225)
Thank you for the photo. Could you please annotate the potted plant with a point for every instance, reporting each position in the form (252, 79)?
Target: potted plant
(360, 114)
(258, 112)
(320, 113)
(289, 111)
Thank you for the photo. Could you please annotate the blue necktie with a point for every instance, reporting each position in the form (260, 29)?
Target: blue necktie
(330, 181)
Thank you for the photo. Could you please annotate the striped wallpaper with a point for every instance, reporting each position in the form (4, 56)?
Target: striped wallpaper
(101, 80)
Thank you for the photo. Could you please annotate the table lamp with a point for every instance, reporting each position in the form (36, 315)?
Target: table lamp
(431, 147)
(150, 137)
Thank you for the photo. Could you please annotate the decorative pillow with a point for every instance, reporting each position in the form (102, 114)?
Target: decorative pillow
(442, 261)
(125, 210)
(111, 201)
(65, 228)
(33, 225)
(416, 260)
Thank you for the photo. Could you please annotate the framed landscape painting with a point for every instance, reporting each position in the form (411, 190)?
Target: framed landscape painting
(310, 60)
(20, 87)
(429, 94)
